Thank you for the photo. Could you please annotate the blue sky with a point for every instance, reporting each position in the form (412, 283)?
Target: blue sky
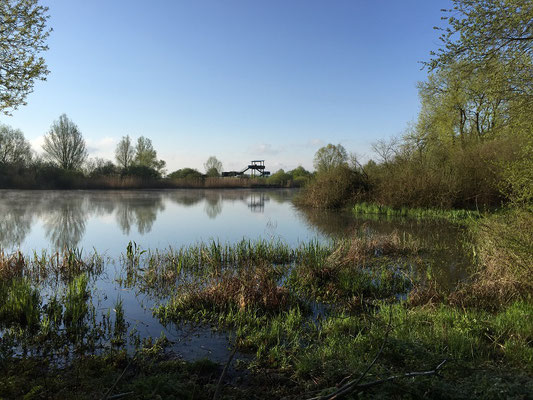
(238, 79)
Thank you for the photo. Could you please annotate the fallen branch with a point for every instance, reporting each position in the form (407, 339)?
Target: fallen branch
(351, 387)
(353, 384)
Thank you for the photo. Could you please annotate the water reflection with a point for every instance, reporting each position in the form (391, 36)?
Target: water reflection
(447, 261)
(137, 209)
(213, 204)
(64, 223)
(108, 220)
(63, 215)
(15, 221)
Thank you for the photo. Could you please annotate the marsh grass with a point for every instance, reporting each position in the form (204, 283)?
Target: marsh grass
(502, 265)
(453, 215)
(262, 294)
(62, 265)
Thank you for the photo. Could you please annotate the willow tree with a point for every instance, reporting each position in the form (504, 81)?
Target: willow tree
(64, 144)
(23, 34)
(487, 46)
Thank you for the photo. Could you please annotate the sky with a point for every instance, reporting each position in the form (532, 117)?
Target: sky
(237, 79)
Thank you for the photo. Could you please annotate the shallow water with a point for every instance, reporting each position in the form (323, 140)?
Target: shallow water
(107, 221)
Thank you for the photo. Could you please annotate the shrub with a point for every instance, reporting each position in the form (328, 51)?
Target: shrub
(333, 188)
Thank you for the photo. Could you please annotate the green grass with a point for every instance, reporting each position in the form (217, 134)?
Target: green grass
(417, 213)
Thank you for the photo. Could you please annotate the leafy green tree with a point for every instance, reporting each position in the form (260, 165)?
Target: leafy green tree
(213, 167)
(329, 157)
(300, 176)
(14, 149)
(23, 34)
(125, 152)
(480, 30)
(185, 173)
(280, 177)
(146, 156)
(64, 144)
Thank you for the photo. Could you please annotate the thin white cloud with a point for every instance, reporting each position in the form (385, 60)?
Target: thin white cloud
(37, 144)
(103, 148)
(264, 149)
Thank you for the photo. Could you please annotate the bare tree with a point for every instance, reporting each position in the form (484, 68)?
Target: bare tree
(125, 152)
(14, 149)
(64, 144)
(213, 167)
(386, 149)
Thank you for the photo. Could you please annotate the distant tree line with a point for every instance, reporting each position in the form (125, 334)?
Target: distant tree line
(65, 163)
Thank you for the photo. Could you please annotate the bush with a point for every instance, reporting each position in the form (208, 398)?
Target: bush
(280, 178)
(142, 171)
(185, 173)
(333, 188)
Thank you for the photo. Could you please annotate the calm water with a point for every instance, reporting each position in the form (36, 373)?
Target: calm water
(108, 220)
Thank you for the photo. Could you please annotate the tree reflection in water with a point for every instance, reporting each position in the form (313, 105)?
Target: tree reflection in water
(15, 220)
(138, 208)
(64, 221)
(213, 204)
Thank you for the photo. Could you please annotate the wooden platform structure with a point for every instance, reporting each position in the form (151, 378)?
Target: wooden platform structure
(257, 168)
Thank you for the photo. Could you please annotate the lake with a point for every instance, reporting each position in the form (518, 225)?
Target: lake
(107, 221)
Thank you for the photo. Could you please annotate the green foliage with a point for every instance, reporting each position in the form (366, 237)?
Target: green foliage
(455, 215)
(76, 308)
(330, 157)
(504, 248)
(333, 188)
(279, 178)
(300, 176)
(23, 37)
(185, 173)
(146, 156)
(517, 177)
(481, 30)
(20, 305)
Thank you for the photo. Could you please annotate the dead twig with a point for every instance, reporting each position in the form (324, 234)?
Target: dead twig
(349, 388)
